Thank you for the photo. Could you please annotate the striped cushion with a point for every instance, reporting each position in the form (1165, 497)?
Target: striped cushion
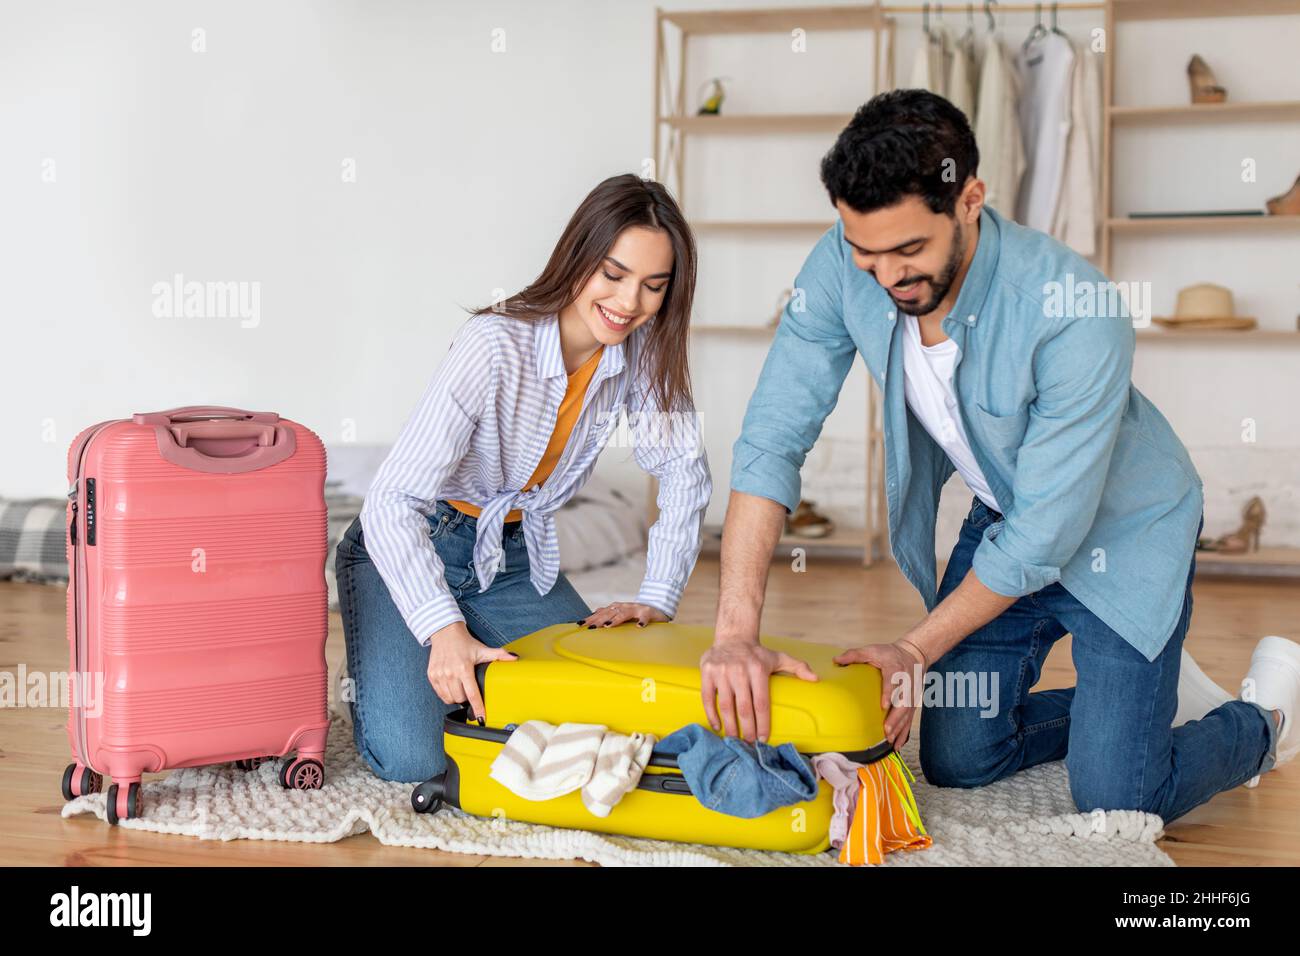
(32, 533)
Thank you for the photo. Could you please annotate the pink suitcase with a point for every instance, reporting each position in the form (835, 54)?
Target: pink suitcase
(197, 605)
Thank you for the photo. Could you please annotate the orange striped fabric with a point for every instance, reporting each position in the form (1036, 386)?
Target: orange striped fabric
(886, 818)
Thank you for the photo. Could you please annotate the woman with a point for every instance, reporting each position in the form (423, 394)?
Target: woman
(454, 553)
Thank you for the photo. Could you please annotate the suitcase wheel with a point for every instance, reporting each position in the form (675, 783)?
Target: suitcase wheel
(79, 781)
(427, 797)
(123, 806)
(302, 773)
(252, 763)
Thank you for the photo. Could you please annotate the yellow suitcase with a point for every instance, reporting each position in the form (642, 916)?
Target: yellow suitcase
(647, 680)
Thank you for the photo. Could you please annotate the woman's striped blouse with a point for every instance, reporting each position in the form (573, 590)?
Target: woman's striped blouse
(478, 433)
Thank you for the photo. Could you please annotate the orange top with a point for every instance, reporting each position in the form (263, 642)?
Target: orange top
(885, 817)
(565, 419)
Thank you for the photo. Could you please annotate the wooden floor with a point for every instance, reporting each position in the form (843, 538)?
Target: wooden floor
(832, 601)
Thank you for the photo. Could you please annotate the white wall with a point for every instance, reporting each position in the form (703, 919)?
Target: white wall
(227, 165)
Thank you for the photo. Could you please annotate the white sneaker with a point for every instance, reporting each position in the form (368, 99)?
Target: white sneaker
(1197, 694)
(1273, 682)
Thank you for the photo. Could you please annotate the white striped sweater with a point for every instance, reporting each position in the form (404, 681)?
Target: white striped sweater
(477, 435)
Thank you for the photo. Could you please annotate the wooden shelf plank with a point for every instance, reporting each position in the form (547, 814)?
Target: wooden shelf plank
(760, 123)
(841, 543)
(1266, 562)
(1181, 9)
(1218, 336)
(1214, 112)
(761, 225)
(776, 19)
(766, 331)
(1203, 222)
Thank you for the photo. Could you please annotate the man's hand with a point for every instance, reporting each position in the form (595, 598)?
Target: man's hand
(734, 677)
(617, 613)
(453, 654)
(736, 670)
(899, 667)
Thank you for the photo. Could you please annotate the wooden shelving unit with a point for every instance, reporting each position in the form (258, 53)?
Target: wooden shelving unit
(1119, 11)
(1267, 562)
(674, 124)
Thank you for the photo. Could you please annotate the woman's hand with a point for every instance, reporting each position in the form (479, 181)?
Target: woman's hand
(899, 693)
(453, 654)
(619, 612)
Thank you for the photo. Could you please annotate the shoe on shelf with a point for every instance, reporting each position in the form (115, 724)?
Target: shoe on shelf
(1246, 537)
(808, 523)
(1205, 88)
(1197, 694)
(1273, 682)
(1287, 204)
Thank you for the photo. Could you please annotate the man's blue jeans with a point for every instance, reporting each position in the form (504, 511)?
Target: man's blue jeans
(396, 716)
(1113, 728)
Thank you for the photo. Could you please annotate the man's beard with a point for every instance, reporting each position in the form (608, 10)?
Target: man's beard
(938, 287)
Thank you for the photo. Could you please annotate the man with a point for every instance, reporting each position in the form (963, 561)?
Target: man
(1086, 506)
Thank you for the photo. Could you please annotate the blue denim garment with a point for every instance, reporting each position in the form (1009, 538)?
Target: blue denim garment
(1097, 490)
(1113, 729)
(737, 778)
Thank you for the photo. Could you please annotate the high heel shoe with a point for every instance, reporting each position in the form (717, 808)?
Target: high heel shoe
(1205, 88)
(1287, 204)
(1245, 538)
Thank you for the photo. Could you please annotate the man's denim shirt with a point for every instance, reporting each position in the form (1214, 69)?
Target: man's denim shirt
(1096, 489)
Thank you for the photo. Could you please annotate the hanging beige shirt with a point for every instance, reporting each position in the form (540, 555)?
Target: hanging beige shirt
(1092, 96)
(1074, 222)
(961, 81)
(997, 129)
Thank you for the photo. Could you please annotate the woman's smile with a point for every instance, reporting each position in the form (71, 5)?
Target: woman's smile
(616, 321)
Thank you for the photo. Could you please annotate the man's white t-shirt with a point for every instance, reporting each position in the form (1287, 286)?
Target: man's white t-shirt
(928, 386)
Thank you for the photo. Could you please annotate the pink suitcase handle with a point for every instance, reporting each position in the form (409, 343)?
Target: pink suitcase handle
(223, 428)
(202, 411)
(225, 441)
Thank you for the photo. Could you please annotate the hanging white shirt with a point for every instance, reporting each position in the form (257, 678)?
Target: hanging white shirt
(927, 385)
(922, 67)
(1045, 69)
(932, 63)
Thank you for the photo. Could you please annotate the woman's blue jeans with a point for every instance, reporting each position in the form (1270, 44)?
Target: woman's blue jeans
(396, 716)
(1113, 728)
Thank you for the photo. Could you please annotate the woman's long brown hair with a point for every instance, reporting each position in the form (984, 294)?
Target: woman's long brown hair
(614, 205)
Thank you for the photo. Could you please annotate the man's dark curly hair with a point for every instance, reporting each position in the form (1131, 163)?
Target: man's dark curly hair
(895, 146)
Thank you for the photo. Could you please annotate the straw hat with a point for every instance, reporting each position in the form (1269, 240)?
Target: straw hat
(1205, 306)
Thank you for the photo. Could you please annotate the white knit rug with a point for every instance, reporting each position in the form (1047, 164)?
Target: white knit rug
(1025, 820)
